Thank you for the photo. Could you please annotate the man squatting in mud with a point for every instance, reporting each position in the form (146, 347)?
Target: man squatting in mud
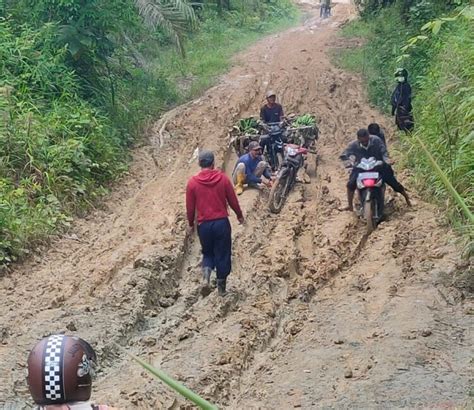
(209, 192)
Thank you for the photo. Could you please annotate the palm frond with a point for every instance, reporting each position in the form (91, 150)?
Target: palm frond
(171, 16)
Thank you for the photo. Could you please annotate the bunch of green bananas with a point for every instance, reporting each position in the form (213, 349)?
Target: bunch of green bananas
(306, 120)
(248, 125)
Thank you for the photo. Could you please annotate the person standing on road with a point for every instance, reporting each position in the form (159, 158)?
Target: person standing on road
(325, 8)
(401, 101)
(209, 193)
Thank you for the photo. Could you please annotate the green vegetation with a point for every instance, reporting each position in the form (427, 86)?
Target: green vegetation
(172, 383)
(434, 40)
(78, 80)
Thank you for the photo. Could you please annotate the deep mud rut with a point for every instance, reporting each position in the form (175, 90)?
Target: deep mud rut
(318, 315)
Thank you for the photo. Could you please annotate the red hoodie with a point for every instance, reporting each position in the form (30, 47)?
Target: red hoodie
(209, 192)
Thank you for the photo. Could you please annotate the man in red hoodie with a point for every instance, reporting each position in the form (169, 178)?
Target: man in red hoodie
(209, 192)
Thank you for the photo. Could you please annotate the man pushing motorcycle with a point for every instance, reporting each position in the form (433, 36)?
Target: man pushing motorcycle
(367, 146)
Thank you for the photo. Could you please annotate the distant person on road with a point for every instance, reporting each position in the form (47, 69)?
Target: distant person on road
(325, 8)
(271, 111)
(374, 129)
(401, 101)
(250, 168)
(209, 193)
(367, 146)
(60, 373)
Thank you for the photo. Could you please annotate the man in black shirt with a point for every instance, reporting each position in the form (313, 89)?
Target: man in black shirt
(368, 146)
(271, 111)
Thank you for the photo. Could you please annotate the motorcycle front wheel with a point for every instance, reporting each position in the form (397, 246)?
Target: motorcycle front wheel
(369, 215)
(278, 193)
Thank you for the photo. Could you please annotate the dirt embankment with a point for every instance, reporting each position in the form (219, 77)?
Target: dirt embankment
(317, 316)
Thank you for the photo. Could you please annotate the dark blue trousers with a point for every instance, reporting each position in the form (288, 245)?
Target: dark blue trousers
(216, 243)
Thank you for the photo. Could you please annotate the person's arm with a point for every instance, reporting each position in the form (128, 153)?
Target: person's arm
(282, 114)
(347, 153)
(383, 150)
(251, 178)
(190, 204)
(262, 114)
(232, 200)
(249, 175)
(407, 97)
(394, 100)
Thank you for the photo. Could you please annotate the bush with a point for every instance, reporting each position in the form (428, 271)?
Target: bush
(56, 148)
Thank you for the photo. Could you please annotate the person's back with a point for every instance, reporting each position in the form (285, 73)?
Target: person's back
(209, 189)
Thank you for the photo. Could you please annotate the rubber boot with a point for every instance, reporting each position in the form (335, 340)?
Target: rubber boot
(221, 287)
(206, 279)
(239, 186)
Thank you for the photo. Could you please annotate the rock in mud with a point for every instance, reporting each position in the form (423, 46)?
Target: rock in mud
(348, 374)
(148, 341)
(426, 332)
(4, 335)
(71, 326)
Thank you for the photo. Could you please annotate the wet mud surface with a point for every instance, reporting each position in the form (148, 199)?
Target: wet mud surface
(318, 315)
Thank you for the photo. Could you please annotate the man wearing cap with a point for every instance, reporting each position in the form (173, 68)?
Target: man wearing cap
(250, 168)
(209, 193)
(271, 111)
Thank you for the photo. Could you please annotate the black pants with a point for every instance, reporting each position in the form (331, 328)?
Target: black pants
(387, 175)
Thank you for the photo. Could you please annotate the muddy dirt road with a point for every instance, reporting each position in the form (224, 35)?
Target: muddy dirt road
(317, 316)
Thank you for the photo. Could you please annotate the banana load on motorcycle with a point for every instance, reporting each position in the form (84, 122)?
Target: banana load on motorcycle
(272, 130)
(272, 150)
(369, 170)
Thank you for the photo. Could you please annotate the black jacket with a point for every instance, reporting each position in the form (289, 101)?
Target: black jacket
(376, 148)
(401, 97)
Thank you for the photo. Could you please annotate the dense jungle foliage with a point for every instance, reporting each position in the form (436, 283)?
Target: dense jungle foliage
(434, 40)
(79, 79)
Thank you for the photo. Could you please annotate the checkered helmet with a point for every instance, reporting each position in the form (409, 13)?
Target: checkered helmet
(60, 370)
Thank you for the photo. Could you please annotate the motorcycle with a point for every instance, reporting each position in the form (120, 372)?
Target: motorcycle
(272, 142)
(294, 159)
(371, 190)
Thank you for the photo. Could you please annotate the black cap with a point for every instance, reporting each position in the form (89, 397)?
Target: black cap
(206, 158)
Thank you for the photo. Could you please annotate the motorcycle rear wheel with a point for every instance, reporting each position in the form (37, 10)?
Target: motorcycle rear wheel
(278, 194)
